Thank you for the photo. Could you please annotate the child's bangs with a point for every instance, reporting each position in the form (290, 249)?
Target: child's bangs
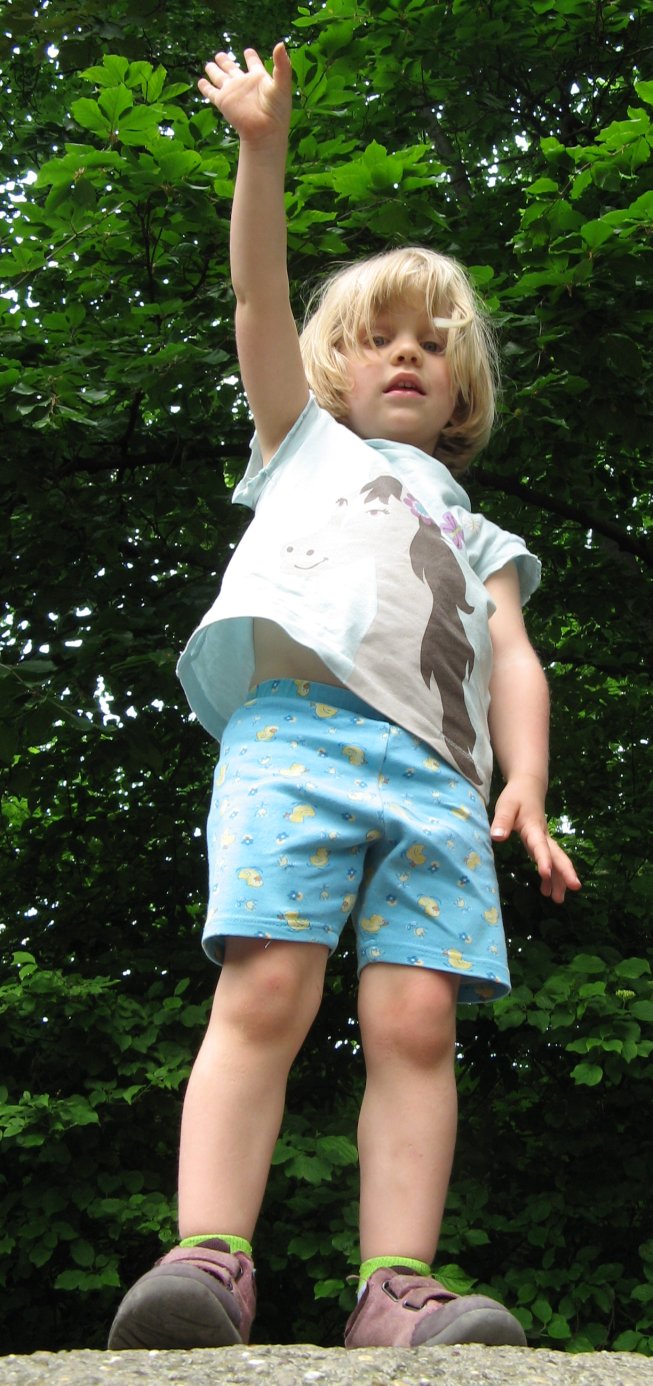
(399, 277)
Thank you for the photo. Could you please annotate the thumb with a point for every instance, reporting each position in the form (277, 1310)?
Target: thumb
(504, 819)
(282, 70)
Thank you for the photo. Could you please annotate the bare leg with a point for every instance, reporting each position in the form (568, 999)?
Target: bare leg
(266, 1000)
(407, 1127)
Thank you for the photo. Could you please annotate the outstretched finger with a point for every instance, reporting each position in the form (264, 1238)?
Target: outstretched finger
(564, 873)
(216, 72)
(557, 874)
(223, 63)
(538, 844)
(539, 849)
(252, 59)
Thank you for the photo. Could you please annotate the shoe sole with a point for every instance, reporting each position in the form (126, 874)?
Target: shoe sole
(480, 1326)
(171, 1312)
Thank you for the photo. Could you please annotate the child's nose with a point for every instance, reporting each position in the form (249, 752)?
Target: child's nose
(407, 349)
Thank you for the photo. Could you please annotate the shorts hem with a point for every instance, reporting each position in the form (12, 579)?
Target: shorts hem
(476, 987)
(214, 943)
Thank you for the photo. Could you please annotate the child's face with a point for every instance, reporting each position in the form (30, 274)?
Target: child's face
(401, 388)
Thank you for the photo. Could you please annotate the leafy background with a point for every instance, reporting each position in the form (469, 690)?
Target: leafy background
(517, 136)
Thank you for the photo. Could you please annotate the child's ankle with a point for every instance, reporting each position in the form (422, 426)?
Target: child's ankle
(234, 1243)
(395, 1262)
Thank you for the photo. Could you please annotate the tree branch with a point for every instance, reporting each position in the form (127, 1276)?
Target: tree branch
(447, 154)
(638, 545)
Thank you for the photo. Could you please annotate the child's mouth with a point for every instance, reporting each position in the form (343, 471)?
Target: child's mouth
(404, 387)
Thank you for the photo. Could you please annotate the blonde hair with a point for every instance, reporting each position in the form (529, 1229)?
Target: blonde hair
(340, 317)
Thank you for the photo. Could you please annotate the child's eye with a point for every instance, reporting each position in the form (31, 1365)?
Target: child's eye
(378, 340)
(435, 347)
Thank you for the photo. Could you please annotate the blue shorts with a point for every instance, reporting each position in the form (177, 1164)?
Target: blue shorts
(322, 810)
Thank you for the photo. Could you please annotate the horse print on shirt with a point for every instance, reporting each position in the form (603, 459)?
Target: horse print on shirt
(410, 599)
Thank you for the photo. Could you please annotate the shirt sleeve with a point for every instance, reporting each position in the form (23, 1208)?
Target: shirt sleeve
(257, 474)
(489, 548)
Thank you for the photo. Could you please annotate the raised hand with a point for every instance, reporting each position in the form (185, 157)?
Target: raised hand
(258, 105)
(254, 101)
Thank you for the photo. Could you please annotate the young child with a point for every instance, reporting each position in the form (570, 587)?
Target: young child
(368, 630)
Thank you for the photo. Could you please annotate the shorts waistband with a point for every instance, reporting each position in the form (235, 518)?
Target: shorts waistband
(303, 690)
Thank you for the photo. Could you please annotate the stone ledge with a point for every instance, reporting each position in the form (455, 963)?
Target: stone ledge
(306, 1365)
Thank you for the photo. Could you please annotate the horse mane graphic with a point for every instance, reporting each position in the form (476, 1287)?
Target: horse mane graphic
(446, 655)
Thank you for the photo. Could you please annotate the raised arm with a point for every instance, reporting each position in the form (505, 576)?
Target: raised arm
(519, 728)
(258, 106)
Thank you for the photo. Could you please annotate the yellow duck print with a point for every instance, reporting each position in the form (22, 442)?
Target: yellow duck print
(253, 878)
(491, 916)
(294, 769)
(355, 754)
(299, 813)
(429, 905)
(373, 924)
(347, 902)
(267, 734)
(461, 812)
(227, 838)
(221, 776)
(416, 854)
(431, 763)
(294, 920)
(472, 860)
(320, 857)
(324, 710)
(457, 960)
(303, 688)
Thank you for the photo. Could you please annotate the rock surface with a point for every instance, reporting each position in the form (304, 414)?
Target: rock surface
(305, 1365)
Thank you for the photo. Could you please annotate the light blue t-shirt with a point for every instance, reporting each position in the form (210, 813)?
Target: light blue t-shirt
(367, 552)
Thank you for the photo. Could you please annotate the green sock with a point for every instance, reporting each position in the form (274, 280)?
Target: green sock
(368, 1267)
(234, 1243)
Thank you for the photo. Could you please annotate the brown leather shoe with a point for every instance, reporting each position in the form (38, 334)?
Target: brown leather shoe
(201, 1296)
(403, 1310)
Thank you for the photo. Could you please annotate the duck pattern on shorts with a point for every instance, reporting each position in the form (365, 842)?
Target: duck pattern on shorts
(321, 812)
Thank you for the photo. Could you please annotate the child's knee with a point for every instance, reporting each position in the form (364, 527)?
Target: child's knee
(270, 994)
(413, 1019)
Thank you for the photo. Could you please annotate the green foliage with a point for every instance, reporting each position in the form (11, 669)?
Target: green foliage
(517, 136)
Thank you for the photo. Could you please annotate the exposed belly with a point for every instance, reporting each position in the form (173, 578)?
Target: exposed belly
(278, 656)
